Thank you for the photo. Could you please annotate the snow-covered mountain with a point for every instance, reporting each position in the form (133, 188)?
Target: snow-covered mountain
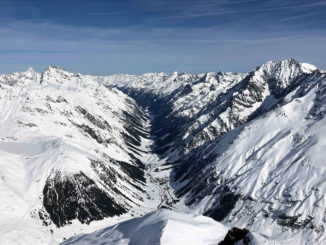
(246, 149)
(80, 153)
(70, 149)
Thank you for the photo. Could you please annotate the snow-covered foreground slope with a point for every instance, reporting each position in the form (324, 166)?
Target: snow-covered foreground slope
(161, 227)
(166, 227)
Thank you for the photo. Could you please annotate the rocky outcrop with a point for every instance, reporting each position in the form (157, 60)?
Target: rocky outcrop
(236, 235)
(77, 196)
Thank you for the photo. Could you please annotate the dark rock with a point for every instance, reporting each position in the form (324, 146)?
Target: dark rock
(186, 90)
(77, 197)
(91, 132)
(293, 222)
(235, 235)
(102, 124)
(212, 87)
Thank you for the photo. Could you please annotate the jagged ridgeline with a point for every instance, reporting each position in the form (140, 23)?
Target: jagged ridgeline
(243, 148)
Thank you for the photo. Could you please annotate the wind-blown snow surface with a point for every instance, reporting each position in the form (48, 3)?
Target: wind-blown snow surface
(161, 227)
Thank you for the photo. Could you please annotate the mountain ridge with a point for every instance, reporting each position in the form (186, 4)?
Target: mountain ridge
(191, 143)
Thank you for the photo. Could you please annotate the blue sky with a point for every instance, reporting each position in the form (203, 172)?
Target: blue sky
(138, 36)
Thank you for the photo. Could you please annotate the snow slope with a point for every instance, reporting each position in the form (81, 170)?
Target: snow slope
(247, 151)
(272, 168)
(71, 151)
(161, 227)
(253, 157)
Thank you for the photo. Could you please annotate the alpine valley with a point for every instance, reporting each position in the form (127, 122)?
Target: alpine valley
(214, 158)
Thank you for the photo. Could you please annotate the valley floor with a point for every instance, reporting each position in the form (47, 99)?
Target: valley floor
(157, 171)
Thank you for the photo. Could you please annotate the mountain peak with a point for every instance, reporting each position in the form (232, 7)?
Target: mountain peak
(283, 63)
(30, 70)
(54, 68)
(287, 63)
(58, 75)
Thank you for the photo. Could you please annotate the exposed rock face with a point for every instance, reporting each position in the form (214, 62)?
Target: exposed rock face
(236, 235)
(77, 197)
